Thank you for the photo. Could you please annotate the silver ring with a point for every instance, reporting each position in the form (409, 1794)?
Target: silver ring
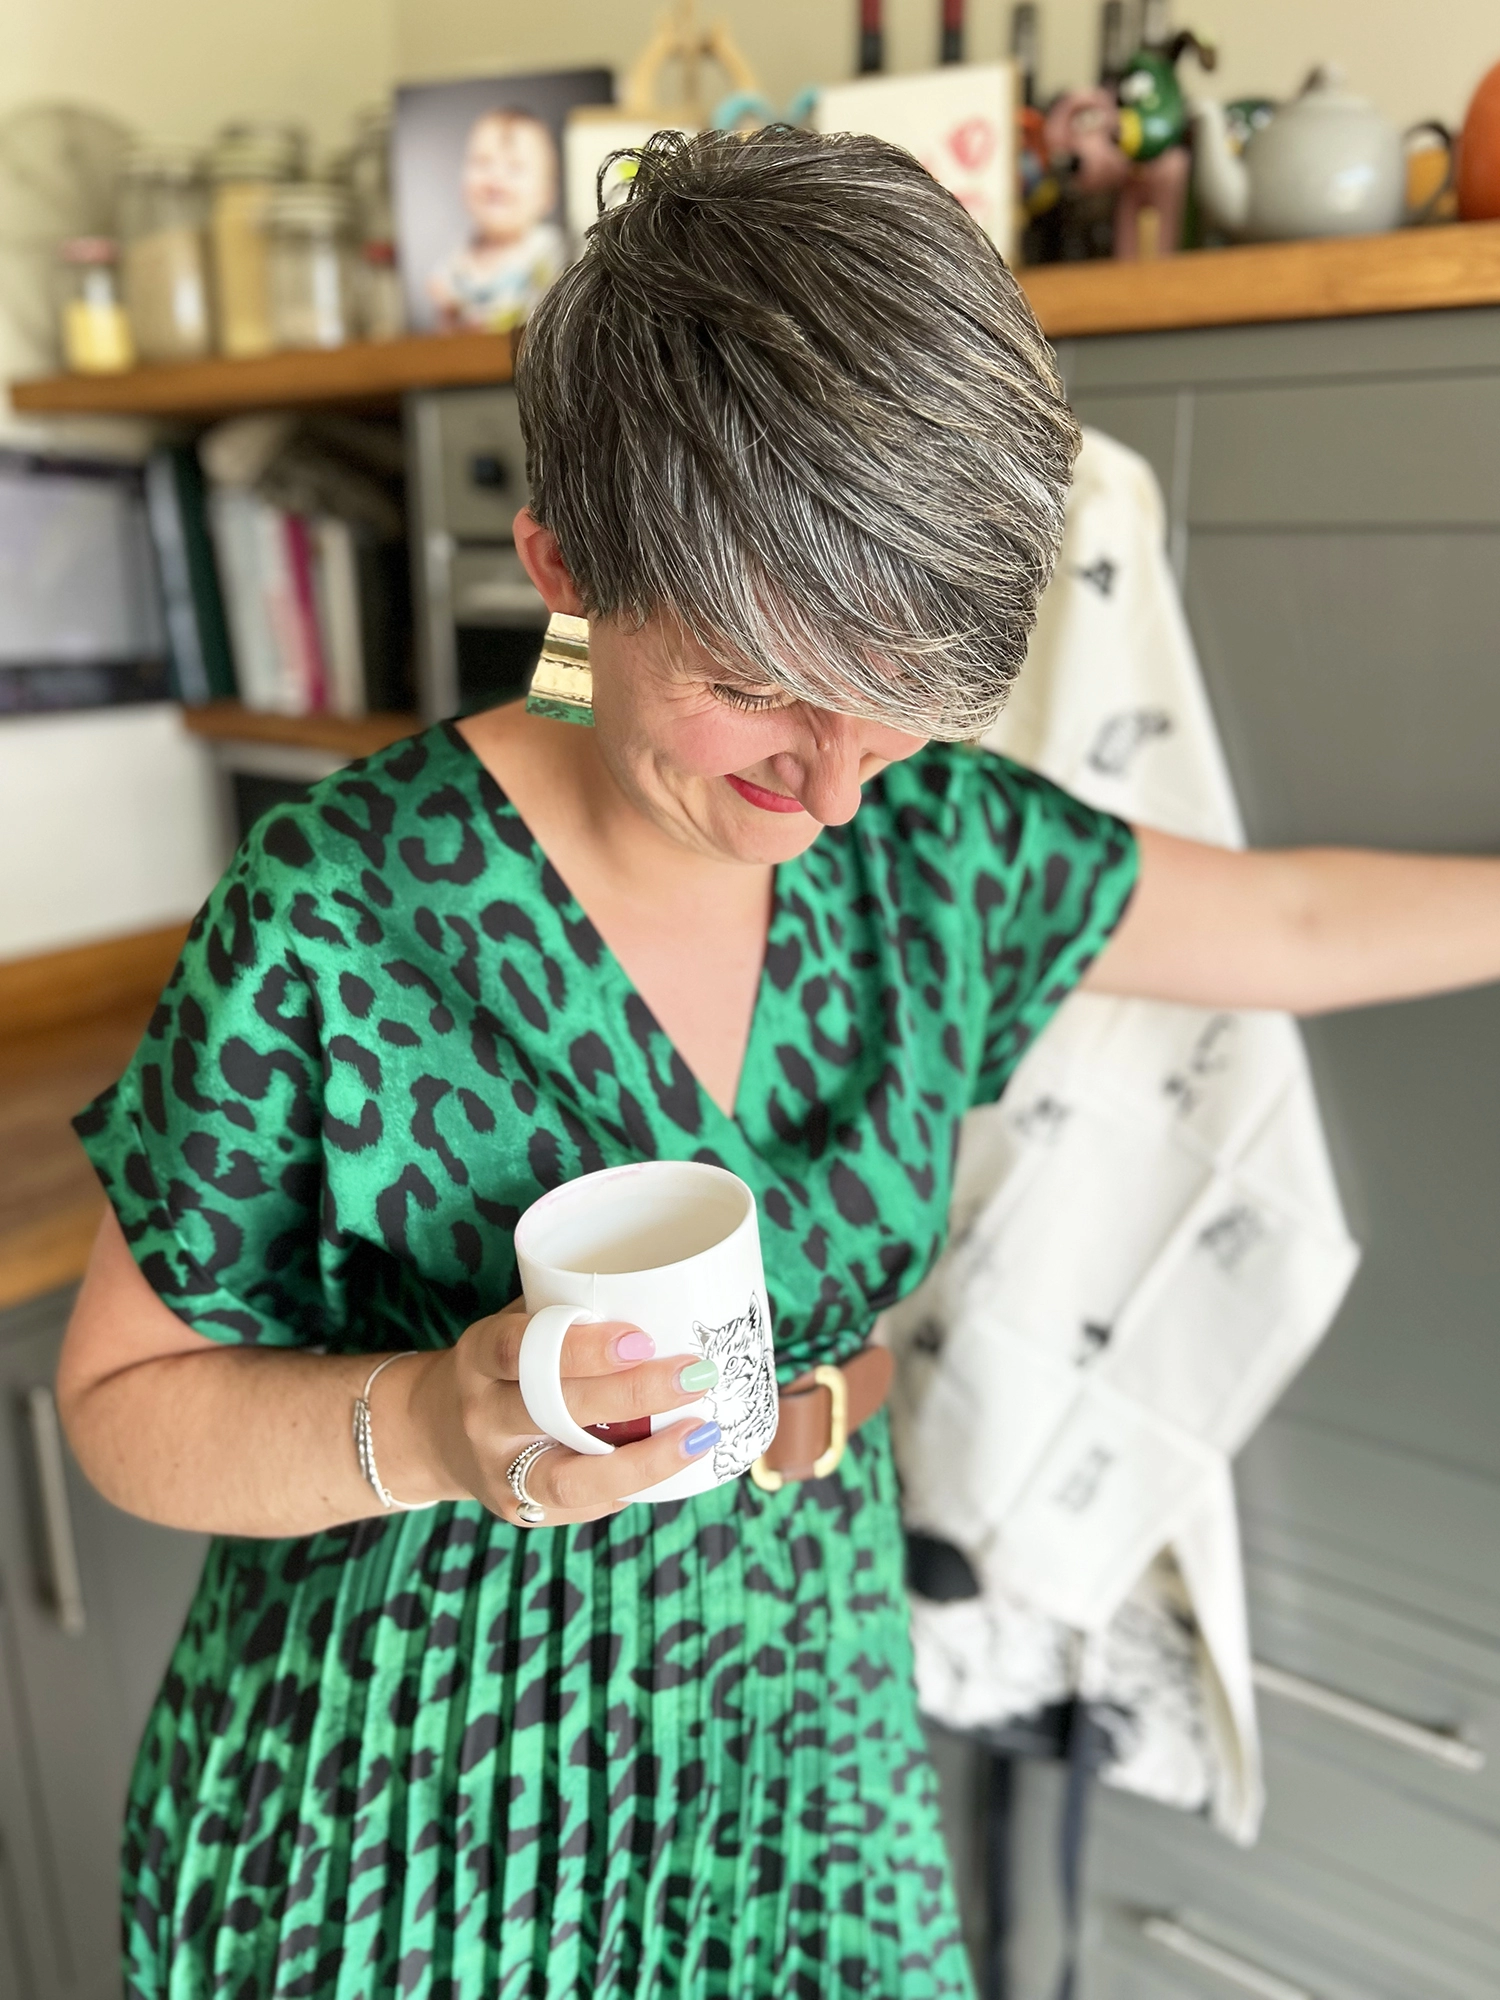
(529, 1512)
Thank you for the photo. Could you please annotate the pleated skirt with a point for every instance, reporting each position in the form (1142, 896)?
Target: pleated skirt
(670, 1756)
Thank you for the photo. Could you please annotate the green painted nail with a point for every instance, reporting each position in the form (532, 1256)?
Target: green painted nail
(698, 1375)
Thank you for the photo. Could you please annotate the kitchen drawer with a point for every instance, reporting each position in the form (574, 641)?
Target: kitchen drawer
(1385, 345)
(483, 463)
(1420, 453)
(1337, 1935)
(1387, 1526)
(1425, 1694)
(489, 587)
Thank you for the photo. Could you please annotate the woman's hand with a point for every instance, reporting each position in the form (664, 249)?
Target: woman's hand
(465, 1421)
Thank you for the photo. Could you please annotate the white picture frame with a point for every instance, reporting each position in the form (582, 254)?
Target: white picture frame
(959, 121)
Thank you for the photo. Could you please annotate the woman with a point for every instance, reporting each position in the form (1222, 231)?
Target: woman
(798, 453)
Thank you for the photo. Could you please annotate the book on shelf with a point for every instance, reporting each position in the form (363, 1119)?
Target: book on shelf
(318, 609)
(192, 601)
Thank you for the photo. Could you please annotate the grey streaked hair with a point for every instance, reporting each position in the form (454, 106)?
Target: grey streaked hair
(791, 394)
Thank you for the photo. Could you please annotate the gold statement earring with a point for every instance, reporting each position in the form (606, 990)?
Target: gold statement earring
(562, 685)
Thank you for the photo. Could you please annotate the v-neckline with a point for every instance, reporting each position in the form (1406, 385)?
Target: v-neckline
(455, 736)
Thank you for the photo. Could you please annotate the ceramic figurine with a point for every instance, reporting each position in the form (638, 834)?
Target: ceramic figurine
(1129, 139)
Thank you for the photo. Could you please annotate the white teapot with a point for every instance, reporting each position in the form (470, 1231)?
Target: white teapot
(1326, 164)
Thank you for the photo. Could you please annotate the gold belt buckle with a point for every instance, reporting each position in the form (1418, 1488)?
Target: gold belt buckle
(834, 1380)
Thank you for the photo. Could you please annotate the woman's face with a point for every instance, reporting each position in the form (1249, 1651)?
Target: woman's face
(728, 768)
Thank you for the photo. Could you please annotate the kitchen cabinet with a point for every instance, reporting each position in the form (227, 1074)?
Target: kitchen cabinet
(91, 1601)
(1334, 505)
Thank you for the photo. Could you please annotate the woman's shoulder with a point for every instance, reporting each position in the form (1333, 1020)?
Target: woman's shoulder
(403, 808)
(950, 793)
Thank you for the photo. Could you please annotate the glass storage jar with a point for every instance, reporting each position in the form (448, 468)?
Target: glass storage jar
(381, 304)
(164, 261)
(309, 233)
(95, 329)
(247, 163)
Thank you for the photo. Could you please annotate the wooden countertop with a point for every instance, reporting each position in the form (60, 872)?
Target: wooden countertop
(69, 1023)
(1410, 270)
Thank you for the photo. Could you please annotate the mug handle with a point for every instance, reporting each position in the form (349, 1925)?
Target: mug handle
(1429, 207)
(541, 1378)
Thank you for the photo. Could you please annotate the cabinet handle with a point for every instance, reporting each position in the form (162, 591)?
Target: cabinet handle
(65, 1584)
(1443, 1746)
(1241, 1972)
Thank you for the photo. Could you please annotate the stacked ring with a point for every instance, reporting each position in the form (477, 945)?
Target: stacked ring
(528, 1511)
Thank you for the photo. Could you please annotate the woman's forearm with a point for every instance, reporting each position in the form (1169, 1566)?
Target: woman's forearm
(1305, 929)
(259, 1441)
(243, 1441)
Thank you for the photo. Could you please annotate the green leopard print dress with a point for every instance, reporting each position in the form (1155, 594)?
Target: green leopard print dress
(676, 1752)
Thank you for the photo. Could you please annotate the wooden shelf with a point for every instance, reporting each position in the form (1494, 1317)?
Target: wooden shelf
(1411, 270)
(230, 722)
(367, 373)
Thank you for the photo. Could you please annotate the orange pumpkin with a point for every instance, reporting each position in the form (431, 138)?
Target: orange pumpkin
(1479, 153)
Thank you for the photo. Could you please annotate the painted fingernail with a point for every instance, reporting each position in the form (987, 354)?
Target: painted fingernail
(701, 1440)
(698, 1375)
(634, 1346)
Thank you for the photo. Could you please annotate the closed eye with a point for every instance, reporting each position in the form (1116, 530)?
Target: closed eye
(751, 699)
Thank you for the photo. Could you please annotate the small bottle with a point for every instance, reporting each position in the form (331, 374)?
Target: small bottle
(164, 261)
(380, 301)
(308, 239)
(871, 38)
(1115, 41)
(1025, 39)
(951, 33)
(95, 326)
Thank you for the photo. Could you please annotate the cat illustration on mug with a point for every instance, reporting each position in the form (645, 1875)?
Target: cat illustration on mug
(744, 1398)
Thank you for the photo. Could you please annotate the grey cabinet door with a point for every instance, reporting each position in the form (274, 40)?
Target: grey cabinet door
(72, 1701)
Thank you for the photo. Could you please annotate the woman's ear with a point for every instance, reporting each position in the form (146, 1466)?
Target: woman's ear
(542, 560)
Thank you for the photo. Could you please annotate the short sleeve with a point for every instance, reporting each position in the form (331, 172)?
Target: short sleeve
(1052, 879)
(209, 1147)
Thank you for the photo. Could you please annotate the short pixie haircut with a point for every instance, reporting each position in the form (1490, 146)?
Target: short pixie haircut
(791, 394)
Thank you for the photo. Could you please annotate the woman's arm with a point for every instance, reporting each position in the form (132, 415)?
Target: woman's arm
(1307, 929)
(259, 1441)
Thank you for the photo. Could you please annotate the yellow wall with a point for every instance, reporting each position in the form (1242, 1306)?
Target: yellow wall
(1414, 63)
(176, 69)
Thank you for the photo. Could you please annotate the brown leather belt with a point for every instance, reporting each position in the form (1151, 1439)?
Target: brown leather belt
(819, 1412)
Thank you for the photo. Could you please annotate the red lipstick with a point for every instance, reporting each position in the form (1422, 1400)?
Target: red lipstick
(757, 795)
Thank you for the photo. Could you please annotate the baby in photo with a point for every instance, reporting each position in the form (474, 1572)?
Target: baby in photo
(510, 184)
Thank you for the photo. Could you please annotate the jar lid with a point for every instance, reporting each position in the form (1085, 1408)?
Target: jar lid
(88, 250)
(308, 205)
(258, 151)
(160, 161)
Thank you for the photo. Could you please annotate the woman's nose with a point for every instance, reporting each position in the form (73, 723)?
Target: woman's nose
(825, 777)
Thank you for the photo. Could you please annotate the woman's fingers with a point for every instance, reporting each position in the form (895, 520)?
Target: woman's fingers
(602, 1347)
(650, 1390)
(570, 1487)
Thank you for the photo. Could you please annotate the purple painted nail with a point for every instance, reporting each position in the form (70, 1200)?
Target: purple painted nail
(634, 1346)
(701, 1440)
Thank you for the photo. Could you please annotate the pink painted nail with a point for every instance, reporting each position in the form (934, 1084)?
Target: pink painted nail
(634, 1346)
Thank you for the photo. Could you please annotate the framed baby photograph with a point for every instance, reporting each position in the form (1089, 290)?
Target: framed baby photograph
(480, 194)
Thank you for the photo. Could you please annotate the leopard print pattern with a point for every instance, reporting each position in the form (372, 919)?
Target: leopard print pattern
(673, 1755)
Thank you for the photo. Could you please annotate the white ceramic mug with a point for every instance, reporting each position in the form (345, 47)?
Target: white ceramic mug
(673, 1247)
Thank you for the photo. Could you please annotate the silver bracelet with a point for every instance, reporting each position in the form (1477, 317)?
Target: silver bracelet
(364, 1444)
